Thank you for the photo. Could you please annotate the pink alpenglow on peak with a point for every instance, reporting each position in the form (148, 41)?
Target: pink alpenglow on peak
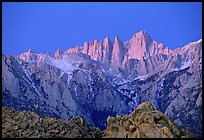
(106, 40)
(86, 48)
(139, 45)
(139, 55)
(107, 51)
(95, 50)
(30, 51)
(117, 54)
(31, 56)
(58, 53)
(77, 49)
(28, 56)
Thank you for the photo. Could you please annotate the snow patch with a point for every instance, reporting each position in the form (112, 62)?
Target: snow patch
(185, 65)
(31, 82)
(61, 74)
(19, 61)
(141, 77)
(62, 64)
(200, 61)
(69, 78)
(197, 42)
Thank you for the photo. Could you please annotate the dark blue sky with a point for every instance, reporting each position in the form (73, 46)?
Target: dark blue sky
(45, 27)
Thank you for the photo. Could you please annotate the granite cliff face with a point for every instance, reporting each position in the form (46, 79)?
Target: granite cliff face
(105, 78)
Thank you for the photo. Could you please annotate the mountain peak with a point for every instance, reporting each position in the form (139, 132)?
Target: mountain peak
(57, 53)
(30, 51)
(95, 41)
(196, 42)
(140, 34)
(117, 38)
(106, 39)
(199, 41)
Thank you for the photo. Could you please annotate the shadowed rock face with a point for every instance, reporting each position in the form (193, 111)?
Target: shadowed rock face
(143, 122)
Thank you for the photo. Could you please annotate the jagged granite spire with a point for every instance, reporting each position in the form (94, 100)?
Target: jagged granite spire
(58, 53)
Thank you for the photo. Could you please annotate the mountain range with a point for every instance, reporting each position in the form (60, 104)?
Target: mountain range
(105, 78)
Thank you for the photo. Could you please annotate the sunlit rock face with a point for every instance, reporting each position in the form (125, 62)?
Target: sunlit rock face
(58, 53)
(117, 53)
(105, 78)
(77, 49)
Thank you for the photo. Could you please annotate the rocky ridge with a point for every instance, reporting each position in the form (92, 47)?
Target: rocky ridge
(118, 55)
(27, 124)
(143, 122)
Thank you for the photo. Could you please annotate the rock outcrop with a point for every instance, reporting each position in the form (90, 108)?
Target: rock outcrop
(26, 124)
(144, 122)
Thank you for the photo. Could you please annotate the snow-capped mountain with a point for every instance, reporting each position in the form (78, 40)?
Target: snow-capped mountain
(105, 78)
